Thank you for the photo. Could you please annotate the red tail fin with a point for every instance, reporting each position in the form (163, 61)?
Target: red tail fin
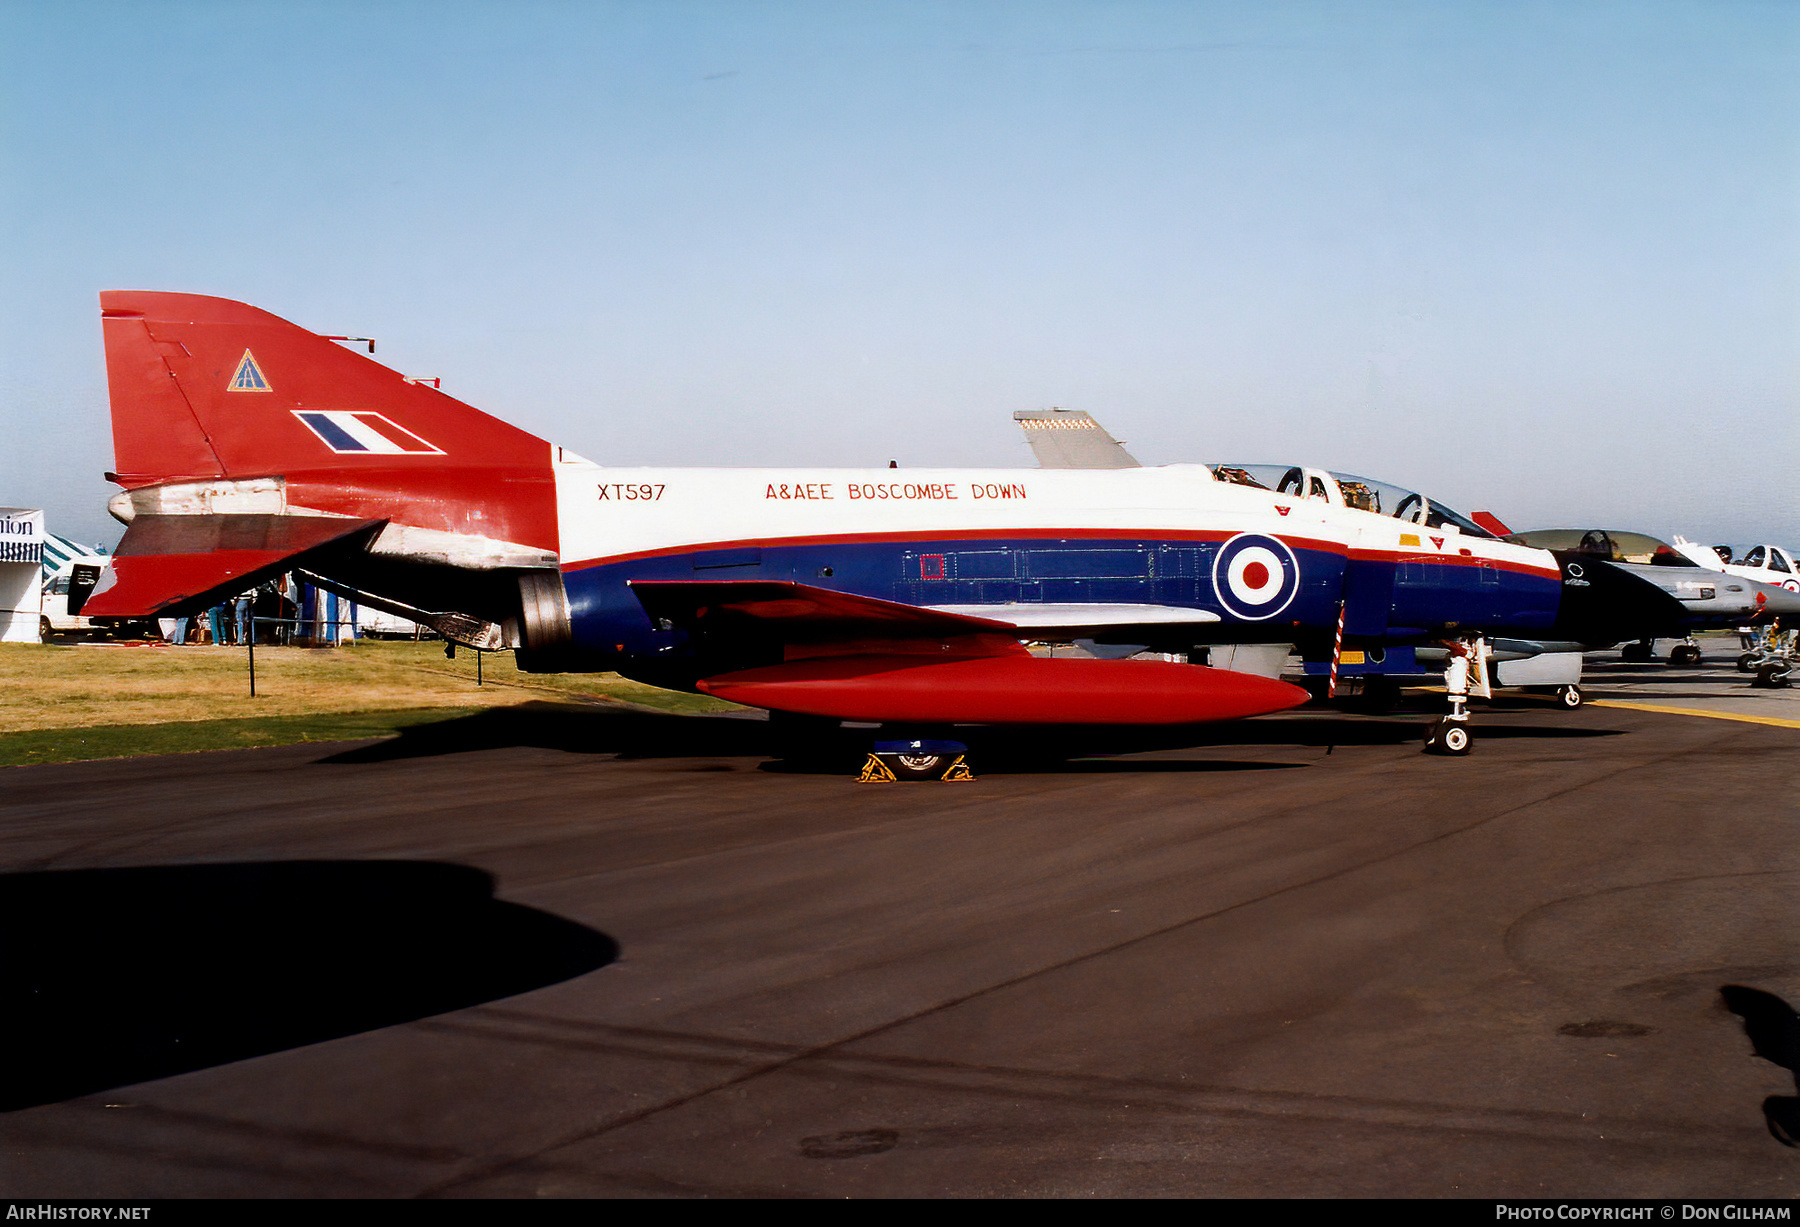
(206, 387)
(231, 426)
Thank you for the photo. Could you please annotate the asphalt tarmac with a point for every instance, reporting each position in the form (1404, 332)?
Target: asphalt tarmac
(534, 954)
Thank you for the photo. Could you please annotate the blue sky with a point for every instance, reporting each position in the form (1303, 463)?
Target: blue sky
(1542, 259)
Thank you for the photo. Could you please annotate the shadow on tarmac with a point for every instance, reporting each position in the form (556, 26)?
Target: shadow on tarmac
(573, 729)
(820, 747)
(1774, 1032)
(116, 976)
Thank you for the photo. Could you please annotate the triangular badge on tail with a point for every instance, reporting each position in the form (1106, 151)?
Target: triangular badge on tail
(248, 377)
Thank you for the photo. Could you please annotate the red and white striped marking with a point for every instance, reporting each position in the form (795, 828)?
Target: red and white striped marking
(1337, 652)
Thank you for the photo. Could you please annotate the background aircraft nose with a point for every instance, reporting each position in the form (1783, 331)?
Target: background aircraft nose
(1777, 600)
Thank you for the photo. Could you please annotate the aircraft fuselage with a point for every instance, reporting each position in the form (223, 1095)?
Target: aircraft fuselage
(1256, 565)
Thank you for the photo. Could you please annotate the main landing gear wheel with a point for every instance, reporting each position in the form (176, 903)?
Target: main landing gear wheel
(1569, 696)
(1685, 654)
(916, 758)
(1747, 663)
(1635, 652)
(1450, 738)
(920, 766)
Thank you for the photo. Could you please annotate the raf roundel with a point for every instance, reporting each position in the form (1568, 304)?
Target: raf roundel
(1256, 577)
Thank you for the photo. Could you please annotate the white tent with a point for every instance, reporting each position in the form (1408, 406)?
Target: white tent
(21, 573)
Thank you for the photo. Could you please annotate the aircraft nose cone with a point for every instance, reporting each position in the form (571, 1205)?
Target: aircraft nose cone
(1602, 603)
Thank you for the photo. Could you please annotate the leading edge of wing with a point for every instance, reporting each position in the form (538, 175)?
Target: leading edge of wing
(1075, 617)
(800, 611)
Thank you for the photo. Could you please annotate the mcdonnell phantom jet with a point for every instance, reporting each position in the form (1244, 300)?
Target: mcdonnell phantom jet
(246, 445)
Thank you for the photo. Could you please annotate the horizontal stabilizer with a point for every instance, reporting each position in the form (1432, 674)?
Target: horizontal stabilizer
(799, 612)
(180, 564)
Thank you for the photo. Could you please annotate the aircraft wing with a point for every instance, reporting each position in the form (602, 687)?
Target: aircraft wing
(1071, 439)
(860, 658)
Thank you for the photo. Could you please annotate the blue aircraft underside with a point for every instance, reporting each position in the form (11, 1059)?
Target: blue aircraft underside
(1386, 600)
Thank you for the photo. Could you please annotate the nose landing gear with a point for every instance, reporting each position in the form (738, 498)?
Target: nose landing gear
(1465, 675)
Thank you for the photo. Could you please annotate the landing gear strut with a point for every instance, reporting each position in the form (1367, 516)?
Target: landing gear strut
(1465, 674)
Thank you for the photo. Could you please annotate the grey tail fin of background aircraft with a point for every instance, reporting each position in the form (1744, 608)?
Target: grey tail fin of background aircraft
(1071, 439)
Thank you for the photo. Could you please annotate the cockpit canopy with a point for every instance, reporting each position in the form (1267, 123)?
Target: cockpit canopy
(1610, 544)
(1348, 490)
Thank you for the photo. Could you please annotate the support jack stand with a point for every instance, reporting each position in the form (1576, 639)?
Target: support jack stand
(893, 761)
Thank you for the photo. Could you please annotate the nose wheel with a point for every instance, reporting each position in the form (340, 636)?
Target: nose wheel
(1465, 674)
(1449, 737)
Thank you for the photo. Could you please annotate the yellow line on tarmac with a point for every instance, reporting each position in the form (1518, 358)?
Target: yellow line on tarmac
(1690, 711)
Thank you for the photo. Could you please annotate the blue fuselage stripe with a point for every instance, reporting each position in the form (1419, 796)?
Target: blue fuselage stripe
(1406, 601)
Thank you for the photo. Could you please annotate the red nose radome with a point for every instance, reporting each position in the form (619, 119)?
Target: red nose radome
(1005, 690)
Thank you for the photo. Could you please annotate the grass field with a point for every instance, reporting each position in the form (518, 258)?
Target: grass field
(68, 702)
